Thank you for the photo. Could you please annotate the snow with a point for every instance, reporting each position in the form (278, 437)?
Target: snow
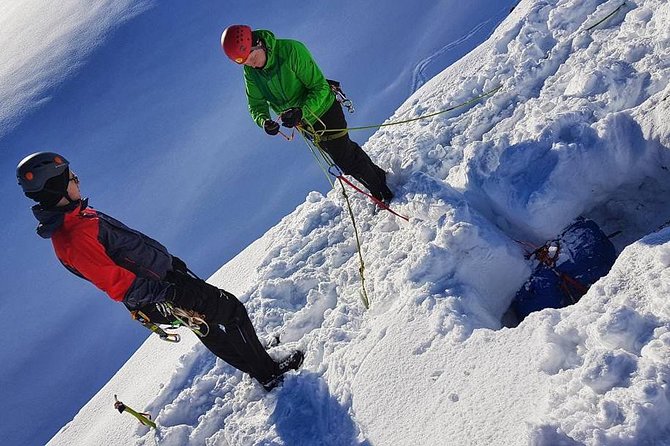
(580, 126)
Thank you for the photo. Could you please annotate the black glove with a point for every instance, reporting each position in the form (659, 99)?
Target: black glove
(178, 266)
(291, 117)
(271, 127)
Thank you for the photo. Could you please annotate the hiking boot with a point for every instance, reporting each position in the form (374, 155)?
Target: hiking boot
(387, 194)
(384, 201)
(274, 382)
(291, 362)
(387, 198)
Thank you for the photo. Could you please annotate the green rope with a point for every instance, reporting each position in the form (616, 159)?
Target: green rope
(607, 17)
(319, 161)
(313, 137)
(322, 158)
(339, 134)
(317, 135)
(361, 269)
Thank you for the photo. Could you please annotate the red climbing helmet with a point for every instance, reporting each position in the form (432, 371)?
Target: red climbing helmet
(236, 42)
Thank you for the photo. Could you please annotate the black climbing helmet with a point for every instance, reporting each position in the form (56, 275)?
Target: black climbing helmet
(44, 177)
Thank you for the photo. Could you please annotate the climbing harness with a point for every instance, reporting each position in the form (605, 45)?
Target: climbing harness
(187, 318)
(142, 417)
(192, 320)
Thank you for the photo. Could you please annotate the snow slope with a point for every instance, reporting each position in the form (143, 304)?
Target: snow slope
(580, 126)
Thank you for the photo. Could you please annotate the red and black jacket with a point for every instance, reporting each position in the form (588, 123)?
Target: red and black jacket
(126, 264)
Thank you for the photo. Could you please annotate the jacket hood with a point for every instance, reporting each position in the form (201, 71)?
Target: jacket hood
(52, 218)
(269, 40)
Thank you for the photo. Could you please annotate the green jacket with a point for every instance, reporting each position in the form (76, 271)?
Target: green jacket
(290, 78)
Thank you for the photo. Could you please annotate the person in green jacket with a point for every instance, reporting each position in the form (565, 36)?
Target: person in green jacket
(281, 75)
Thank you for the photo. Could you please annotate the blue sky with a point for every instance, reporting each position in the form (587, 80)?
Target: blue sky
(153, 119)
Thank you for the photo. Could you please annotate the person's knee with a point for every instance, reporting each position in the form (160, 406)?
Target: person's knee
(347, 158)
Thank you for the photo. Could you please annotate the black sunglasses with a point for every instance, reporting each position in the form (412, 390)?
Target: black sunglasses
(74, 178)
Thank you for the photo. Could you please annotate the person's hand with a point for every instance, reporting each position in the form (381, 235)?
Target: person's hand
(178, 266)
(271, 127)
(291, 117)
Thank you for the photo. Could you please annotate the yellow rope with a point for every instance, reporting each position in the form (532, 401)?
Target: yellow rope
(319, 161)
(361, 269)
(325, 159)
(313, 137)
(317, 135)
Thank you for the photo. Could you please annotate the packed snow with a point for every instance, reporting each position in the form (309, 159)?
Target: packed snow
(579, 127)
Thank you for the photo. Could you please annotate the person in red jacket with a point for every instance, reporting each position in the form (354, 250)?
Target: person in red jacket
(140, 272)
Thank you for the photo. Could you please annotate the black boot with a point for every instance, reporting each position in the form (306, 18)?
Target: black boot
(291, 362)
(387, 194)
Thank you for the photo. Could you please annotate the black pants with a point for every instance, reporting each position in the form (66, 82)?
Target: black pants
(349, 156)
(231, 334)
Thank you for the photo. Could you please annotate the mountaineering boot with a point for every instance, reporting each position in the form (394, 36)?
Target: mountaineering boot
(378, 189)
(274, 382)
(387, 194)
(272, 341)
(291, 362)
(387, 197)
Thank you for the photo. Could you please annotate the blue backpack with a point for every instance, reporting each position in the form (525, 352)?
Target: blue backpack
(567, 267)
